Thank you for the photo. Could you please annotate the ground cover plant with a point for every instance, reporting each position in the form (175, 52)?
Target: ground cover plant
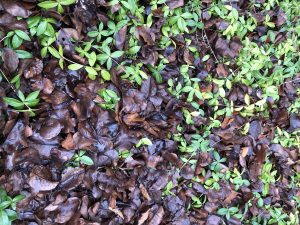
(149, 112)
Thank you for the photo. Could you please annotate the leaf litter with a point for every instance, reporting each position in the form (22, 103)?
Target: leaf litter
(173, 130)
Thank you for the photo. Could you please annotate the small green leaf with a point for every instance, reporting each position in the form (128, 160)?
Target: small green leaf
(133, 50)
(32, 103)
(44, 52)
(144, 141)
(16, 41)
(42, 28)
(13, 102)
(109, 63)
(48, 4)
(75, 66)
(54, 52)
(4, 220)
(91, 70)
(205, 58)
(105, 74)
(21, 95)
(4, 205)
(92, 58)
(18, 198)
(23, 54)
(86, 160)
(67, 2)
(22, 35)
(12, 215)
(93, 33)
(117, 54)
(32, 96)
(102, 57)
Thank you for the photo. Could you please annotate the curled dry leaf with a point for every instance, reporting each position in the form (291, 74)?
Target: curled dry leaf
(10, 59)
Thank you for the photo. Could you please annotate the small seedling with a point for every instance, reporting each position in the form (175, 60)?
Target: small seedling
(8, 207)
(81, 158)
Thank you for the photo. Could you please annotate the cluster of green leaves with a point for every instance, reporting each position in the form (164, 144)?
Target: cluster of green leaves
(287, 139)
(109, 97)
(81, 158)
(15, 38)
(238, 25)
(22, 103)
(50, 4)
(8, 207)
(267, 177)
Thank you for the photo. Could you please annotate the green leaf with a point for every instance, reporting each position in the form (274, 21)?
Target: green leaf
(92, 58)
(205, 58)
(23, 54)
(75, 66)
(32, 96)
(86, 160)
(133, 50)
(102, 57)
(105, 74)
(16, 41)
(144, 141)
(21, 95)
(4, 220)
(54, 52)
(32, 103)
(12, 215)
(42, 28)
(91, 70)
(48, 4)
(181, 24)
(117, 54)
(67, 2)
(18, 198)
(22, 35)
(13, 102)
(109, 63)
(93, 33)
(44, 52)
(4, 205)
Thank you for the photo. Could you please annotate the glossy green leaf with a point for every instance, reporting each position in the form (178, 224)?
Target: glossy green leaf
(32, 96)
(75, 66)
(86, 160)
(48, 4)
(22, 35)
(54, 52)
(22, 54)
(4, 220)
(13, 102)
(117, 54)
(105, 74)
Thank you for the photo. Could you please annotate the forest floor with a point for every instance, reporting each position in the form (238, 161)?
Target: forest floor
(149, 112)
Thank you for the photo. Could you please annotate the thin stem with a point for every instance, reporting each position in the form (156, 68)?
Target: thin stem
(3, 38)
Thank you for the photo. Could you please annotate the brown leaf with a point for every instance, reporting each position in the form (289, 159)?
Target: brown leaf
(117, 211)
(121, 38)
(221, 70)
(50, 129)
(173, 4)
(39, 184)
(11, 60)
(158, 216)
(146, 34)
(145, 192)
(144, 217)
(68, 143)
(15, 8)
(35, 68)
